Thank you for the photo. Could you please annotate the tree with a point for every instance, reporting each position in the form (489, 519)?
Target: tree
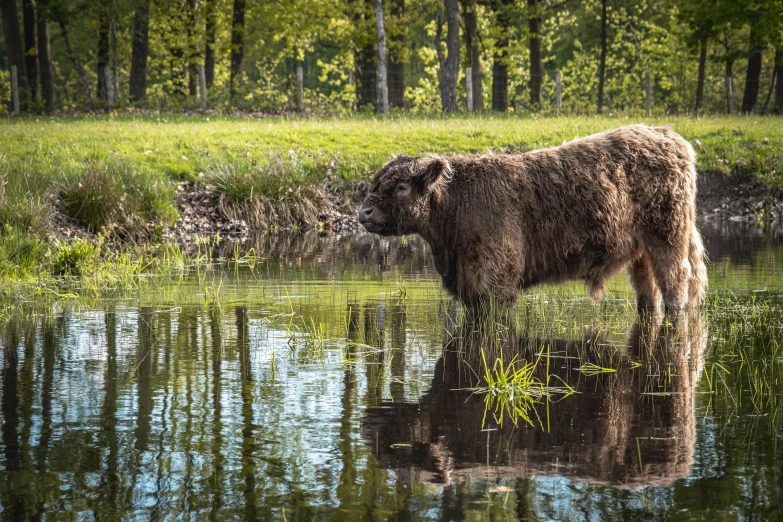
(395, 73)
(237, 47)
(211, 39)
(45, 56)
(140, 51)
(778, 109)
(449, 63)
(699, 16)
(534, 41)
(193, 49)
(474, 55)
(383, 93)
(602, 60)
(30, 47)
(364, 55)
(104, 85)
(115, 77)
(502, 10)
(753, 74)
(77, 64)
(13, 45)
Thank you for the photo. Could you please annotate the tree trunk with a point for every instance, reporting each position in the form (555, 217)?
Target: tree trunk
(395, 73)
(30, 47)
(237, 47)
(772, 83)
(113, 51)
(14, 49)
(140, 52)
(778, 109)
(45, 56)
(193, 50)
(500, 56)
(103, 56)
(602, 61)
(448, 87)
(729, 93)
(383, 93)
(364, 60)
(211, 38)
(536, 68)
(702, 69)
(474, 56)
(752, 78)
(77, 65)
(179, 68)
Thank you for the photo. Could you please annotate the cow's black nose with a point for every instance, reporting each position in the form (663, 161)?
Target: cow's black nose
(364, 214)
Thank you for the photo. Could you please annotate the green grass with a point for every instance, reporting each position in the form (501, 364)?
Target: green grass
(117, 174)
(117, 195)
(182, 146)
(277, 191)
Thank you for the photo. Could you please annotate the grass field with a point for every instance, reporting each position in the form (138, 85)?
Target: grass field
(117, 174)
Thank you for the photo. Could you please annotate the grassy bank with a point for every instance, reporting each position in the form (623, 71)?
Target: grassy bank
(116, 176)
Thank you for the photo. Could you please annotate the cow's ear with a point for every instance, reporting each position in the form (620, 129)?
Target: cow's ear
(432, 171)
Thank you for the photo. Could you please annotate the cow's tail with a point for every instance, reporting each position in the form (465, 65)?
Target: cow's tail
(697, 286)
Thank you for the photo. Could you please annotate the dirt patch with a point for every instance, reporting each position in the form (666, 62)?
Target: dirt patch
(202, 214)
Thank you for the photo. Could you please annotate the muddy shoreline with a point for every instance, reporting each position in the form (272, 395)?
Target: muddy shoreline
(720, 198)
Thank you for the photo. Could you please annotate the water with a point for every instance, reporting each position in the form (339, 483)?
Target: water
(328, 382)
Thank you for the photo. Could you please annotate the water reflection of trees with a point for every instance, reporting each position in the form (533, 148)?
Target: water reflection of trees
(159, 411)
(630, 428)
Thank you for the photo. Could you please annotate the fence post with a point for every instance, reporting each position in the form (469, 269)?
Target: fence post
(648, 89)
(558, 92)
(15, 90)
(469, 88)
(109, 89)
(202, 86)
(299, 86)
(729, 94)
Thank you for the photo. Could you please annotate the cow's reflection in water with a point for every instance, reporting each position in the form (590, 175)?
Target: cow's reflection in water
(631, 428)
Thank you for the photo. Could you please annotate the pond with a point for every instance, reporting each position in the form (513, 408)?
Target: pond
(334, 379)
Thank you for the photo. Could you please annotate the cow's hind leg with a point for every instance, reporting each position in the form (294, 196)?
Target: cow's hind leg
(643, 283)
(672, 271)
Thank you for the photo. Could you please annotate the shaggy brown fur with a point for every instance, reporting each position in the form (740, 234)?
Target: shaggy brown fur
(585, 210)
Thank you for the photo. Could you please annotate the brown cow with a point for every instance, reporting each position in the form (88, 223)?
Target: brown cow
(584, 210)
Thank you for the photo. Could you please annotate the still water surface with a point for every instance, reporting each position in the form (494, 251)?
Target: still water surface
(329, 382)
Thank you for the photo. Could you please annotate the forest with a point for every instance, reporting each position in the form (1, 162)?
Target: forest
(341, 56)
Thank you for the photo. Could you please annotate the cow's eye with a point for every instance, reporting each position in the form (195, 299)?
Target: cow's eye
(403, 188)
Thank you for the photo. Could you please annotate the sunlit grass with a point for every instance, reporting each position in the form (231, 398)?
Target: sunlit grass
(512, 390)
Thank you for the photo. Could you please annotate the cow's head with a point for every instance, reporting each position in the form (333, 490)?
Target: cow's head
(400, 195)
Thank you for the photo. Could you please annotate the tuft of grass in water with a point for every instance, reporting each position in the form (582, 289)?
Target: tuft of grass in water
(116, 196)
(594, 369)
(307, 342)
(281, 192)
(512, 390)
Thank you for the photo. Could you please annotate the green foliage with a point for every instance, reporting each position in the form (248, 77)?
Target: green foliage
(21, 253)
(75, 258)
(24, 200)
(115, 194)
(280, 191)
